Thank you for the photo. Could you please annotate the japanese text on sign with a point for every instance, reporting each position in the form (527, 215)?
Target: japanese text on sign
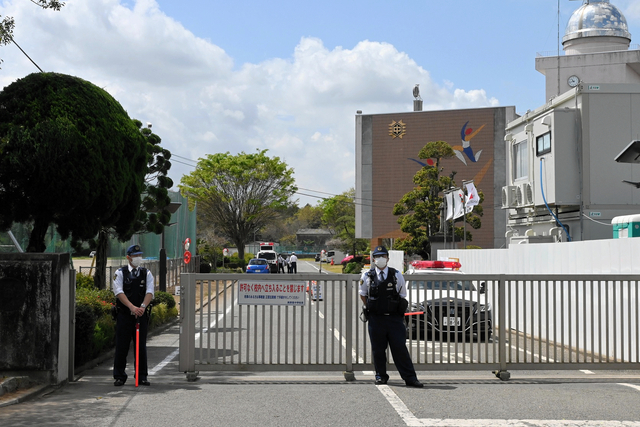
(268, 292)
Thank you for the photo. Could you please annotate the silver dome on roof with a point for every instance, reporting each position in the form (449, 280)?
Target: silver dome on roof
(596, 18)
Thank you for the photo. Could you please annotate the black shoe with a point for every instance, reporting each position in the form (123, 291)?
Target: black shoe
(414, 383)
(381, 381)
(144, 382)
(118, 383)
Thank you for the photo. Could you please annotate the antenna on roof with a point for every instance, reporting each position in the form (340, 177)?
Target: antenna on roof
(417, 102)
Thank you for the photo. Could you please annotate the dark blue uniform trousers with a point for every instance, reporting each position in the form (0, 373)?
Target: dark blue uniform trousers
(390, 330)
(125, 336)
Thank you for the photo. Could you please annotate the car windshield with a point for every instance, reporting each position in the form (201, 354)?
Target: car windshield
(454, 285)
(267, 255)
(258, 262)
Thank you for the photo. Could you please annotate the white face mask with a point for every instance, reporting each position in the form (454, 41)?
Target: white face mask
(381, 262)
(136, 261)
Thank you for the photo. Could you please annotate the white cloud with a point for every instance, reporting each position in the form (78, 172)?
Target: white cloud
(301, 108)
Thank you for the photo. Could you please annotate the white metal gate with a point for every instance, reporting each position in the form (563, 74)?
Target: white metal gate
(539, 322)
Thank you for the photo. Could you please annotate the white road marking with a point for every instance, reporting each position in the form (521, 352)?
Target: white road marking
(165, 362)
(397, 404)
(541, 357)
(411, 420)
(321, 271)
(343, 341)
(637, 387)
(586, 371)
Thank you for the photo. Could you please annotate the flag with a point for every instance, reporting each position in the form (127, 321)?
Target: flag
(449, 199)
(458, 203)
(473, 198)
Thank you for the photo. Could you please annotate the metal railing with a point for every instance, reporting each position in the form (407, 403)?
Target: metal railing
(596, 49)
(546, 322)
(175, 267)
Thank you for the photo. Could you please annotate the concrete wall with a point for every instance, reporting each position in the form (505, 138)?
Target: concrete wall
(616, 256)
(612, 256)
(35, 317)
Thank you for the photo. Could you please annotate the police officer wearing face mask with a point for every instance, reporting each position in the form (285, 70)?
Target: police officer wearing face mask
(133, 287)
(383, 292)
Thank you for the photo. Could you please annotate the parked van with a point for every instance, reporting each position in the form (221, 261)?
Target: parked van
(267, 252)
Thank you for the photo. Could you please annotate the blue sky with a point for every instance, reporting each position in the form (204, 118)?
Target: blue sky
(289, 76)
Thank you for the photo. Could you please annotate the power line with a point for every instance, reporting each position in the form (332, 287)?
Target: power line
(332, 194)
(184, 158)
(178, 161)
(25, 53)
(363, 202)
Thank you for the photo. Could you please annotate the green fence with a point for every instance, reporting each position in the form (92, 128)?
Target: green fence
(183, 226)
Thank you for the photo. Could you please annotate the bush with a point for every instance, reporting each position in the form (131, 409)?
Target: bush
(100, 301)
(352, 267)
(95, 328)
(161, 314)
(158, 315)
(104, 335)
(164, 297)
(228, 269)
(85, 326)
(84, 281)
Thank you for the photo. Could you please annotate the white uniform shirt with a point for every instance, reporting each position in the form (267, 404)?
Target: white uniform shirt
(118, 285)
(294, 258)
(364, 282)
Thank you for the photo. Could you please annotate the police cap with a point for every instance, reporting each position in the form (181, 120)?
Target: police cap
(134, 250)
(380, 250)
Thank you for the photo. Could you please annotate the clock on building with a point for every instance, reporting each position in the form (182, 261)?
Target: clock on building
(573, 81)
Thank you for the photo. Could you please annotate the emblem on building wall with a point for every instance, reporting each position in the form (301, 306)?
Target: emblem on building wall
(397, 129)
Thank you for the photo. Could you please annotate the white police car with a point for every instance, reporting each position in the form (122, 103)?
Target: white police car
(441, 303)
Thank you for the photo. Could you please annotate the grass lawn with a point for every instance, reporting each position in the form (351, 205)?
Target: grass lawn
(337, 268)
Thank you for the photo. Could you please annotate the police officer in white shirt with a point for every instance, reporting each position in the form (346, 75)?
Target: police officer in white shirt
(133, 287)
(383, 292)
(294, 262)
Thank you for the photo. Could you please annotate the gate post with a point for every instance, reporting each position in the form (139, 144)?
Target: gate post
(348, 374)
(503, 374)
(187, 325)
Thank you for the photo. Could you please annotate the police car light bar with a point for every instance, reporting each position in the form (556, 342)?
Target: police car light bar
(423, 265)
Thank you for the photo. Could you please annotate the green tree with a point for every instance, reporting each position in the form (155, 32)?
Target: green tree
(239, 194)
(153, 215)
(7, 24)
(291, 220)
(419, 210)
(339, 215)
(70, 156)
(310, 216)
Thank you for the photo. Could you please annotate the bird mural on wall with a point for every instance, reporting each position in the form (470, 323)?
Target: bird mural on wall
(466, 150)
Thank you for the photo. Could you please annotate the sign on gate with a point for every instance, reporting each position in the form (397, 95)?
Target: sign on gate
(271, 292)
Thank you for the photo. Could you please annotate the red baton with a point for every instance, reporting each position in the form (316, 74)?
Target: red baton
(137, 351)
(414, 312)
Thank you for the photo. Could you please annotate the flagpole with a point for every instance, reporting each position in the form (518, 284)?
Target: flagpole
(464, 218)
(464, 223)
(444, 217)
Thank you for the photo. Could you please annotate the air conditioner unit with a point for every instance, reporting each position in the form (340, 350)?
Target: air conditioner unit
(524, 194)
(509, 196)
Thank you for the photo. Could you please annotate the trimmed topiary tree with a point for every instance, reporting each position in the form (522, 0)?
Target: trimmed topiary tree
(70, 156)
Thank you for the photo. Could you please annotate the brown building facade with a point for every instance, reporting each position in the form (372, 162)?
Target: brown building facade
(387, 147)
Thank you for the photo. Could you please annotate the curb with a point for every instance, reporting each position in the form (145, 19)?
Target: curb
(14, 390)
(110, 354)
(18, 389)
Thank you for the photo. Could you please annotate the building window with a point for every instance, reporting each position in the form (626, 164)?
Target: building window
(520, 160)
(543, 144)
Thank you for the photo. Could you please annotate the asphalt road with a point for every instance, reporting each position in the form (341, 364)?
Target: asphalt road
(453, 398)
